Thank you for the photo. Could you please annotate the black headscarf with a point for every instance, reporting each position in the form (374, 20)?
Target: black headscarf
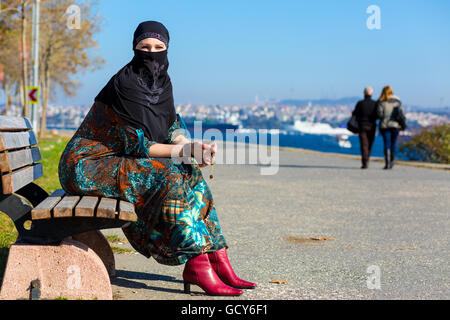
(141, 92)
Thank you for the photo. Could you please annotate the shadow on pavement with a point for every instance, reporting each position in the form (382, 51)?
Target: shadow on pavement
(124, 278)
(308, 167)
(144, 276)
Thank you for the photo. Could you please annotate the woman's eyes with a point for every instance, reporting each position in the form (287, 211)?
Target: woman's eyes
(149, 48)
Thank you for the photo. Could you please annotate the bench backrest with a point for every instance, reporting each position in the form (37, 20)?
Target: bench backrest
(19, 154)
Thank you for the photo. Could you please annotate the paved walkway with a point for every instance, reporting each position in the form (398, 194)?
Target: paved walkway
(391, 223)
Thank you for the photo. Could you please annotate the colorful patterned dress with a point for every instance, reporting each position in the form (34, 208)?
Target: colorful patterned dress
(107, 157)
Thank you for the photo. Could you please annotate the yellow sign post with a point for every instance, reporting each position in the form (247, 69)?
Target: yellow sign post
(33, 95)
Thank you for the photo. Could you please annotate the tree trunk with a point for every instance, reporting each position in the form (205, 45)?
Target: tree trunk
(8, 102)
(16, 107)
(21, 96)
(46, 95)
(7, 89)
(24, 62)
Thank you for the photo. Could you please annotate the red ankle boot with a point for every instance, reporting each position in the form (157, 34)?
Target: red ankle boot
(199, 271)
(221, 264)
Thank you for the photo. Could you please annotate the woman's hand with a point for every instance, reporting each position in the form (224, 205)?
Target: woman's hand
(180, 139)
(204, 153)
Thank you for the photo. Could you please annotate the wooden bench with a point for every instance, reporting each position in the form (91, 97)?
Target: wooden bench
(50, 220)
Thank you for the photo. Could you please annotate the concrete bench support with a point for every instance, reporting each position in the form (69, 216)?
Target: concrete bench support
(70, 270)
(97, 242)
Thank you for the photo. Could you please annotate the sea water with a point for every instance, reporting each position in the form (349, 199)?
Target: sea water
(295, 139)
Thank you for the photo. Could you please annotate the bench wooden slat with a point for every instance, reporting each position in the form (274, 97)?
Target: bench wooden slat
(70, 214)
(43, 210)
(107, 208)
(65, 207)
(16, 140)
(15, 180)
(18, 159)
(14, 123)
(126, 211)
(86, 207)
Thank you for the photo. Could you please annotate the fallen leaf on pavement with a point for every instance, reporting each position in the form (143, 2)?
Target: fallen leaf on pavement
(294, 239)
(321, 238)
(279, 281)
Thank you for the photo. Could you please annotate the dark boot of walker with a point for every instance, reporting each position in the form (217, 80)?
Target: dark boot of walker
(364, 164)
(392, 159)
(387, 159)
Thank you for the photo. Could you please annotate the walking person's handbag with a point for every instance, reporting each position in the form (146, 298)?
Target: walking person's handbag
(400, 118)
(352, 125)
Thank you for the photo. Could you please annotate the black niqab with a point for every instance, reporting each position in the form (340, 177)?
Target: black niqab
(141, 92)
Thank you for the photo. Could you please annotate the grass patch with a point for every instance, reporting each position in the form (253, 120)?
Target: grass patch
(114, 239)
(8, 232)
(8, 235)
(121, 250)
(64, 298)
(117, 296)
(52, 146)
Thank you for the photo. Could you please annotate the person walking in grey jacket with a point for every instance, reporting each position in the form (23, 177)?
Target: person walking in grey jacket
(388, 108)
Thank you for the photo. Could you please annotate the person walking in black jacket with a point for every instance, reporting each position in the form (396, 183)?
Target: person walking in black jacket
(366, 115)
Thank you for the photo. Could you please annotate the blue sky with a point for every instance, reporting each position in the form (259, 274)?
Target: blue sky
(227, 52)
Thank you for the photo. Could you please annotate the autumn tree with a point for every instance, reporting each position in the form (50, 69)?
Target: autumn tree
(14, 23)
(64, 47)
(9, 63)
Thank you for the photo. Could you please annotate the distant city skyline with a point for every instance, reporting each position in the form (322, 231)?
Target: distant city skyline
(230, 52)
(259, 116)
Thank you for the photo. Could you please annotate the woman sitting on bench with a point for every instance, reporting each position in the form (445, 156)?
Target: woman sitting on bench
(128, 147)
